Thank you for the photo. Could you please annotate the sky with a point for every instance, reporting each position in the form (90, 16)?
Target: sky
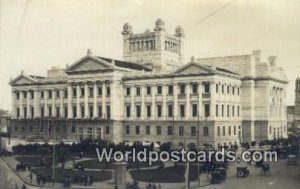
(36, 35)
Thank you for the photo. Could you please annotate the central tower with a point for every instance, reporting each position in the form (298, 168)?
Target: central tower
(156, 49)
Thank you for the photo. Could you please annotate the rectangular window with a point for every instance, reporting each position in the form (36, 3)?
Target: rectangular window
(234, 130)
(238, 91)
(138, 91)
(42, 112)
(229, 130)
(228, 110)
(32, 112)
(91, 92)
(193, 131)
(57, 94)
(108, 111)
(219, 132)
(32, 94)
(217, 110)
(158, 130)
(182, 110)
(127, 91)
(107, 91)
(107, 130)
(224, 131)
(17, 95)
(238, 111)
(74, 111)
(18, 112)
(182, 89)
(228, 89)
(100, 90)
(42, 94)
(66, 112)
(147, 129)
(100, 111)
(170, 130)
(148, 110)
(222, 89)
(82, 111)
(74, 92)
(65, 94)
(207, 110)
(91, 111)
(148, 90)
(127, 130)
(233, 90)
(194, 88)
(233, 112)
(181, 131)
(195, 110)
(137, 130)
(206, 88)
(158, 110)
(217, 88)
(138, 111)
(170, 110)
(159, 90)
(128, 109)
(50, 94)
(57, 112)
(50, 111)
(170, 89)
(205, 131)
(82, 92)
(25, 94)
(25, 112)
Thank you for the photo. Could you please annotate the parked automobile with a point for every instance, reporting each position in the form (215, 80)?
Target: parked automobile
(242, 171)
(292, 160)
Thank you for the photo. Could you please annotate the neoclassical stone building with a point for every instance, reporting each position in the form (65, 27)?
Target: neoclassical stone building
(297, 103)
(152, 95)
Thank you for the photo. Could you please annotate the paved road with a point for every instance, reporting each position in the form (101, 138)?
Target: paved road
(282, 176)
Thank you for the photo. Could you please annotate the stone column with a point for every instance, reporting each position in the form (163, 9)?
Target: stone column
(53, 103)
(37, 108)
(70, 107)
(95, 100)
(200, 105)
(164, 98)
(175, 101)
(212, 91)
(132, 108)
(78, 101)
(86, 101)
(61, 103)
(143, 89)
(153, 113)
(21, 104)
(188, 104)
(28, 105)
(46, 103)
(104, 100)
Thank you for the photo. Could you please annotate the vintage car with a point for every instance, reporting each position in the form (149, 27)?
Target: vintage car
(242, 171)
(218, 175)
(292, 160)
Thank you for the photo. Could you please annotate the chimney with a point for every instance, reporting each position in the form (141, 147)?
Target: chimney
(272, 61)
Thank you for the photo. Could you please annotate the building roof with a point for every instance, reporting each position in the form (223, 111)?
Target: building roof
(125, 64)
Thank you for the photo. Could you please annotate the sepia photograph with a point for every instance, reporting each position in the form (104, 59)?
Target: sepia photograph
(149, 94)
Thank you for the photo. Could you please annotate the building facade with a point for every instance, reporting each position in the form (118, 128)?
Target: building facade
(150, 96)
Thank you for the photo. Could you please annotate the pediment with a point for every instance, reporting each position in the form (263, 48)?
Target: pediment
(22, 79)
(194, 68)
(89, 64)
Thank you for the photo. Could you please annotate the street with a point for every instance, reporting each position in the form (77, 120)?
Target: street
(282, 176)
